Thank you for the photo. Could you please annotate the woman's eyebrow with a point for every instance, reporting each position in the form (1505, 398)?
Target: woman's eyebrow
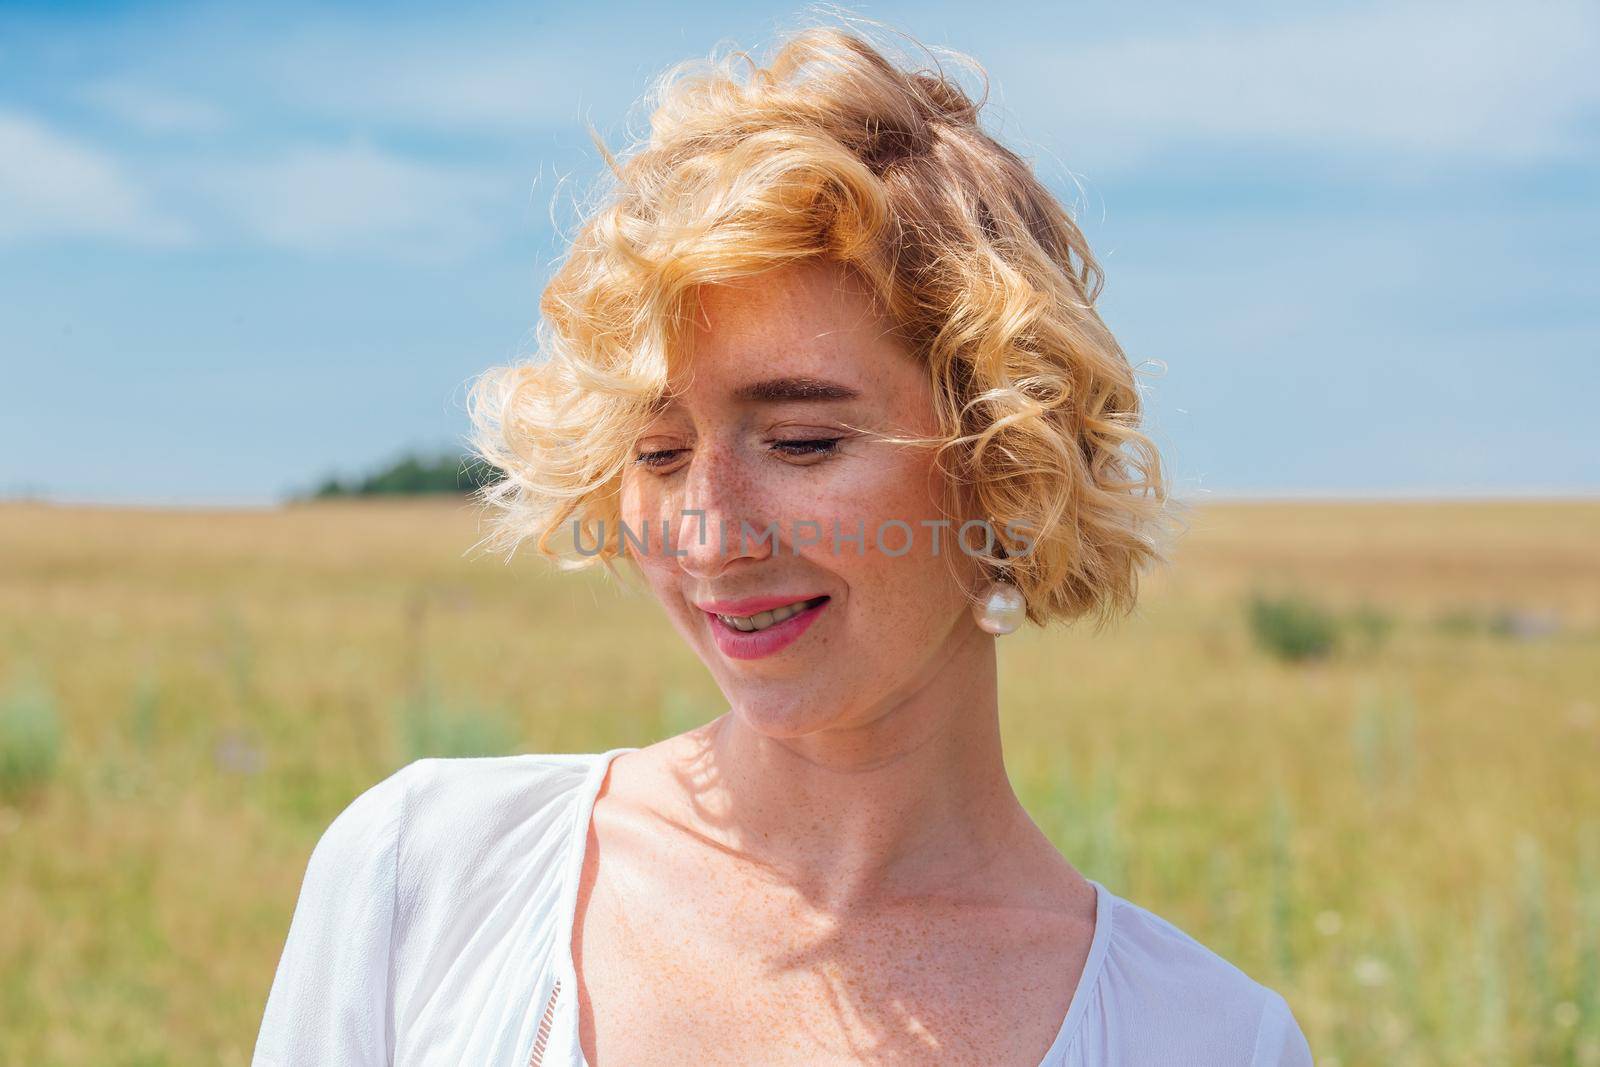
(782, 390)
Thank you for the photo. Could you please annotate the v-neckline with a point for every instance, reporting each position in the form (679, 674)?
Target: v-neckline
(577, 852)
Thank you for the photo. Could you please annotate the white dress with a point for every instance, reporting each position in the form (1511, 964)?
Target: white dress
(434, 927)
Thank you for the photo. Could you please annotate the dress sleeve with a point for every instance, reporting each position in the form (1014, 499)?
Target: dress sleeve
(1279, 1042)
(330, 1002)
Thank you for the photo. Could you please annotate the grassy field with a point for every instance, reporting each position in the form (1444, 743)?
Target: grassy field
(1402, 835)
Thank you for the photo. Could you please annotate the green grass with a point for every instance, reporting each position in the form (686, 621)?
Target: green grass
(30, 741)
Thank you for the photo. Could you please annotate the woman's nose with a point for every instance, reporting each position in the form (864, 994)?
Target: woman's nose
(720, 517)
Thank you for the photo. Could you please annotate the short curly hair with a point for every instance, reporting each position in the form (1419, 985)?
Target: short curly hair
(834, 150)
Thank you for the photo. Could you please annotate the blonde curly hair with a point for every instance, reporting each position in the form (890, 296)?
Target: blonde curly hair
(832, 149)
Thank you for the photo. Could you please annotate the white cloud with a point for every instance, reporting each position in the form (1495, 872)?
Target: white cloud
(1438, 84)
(454, 88)
(358, 197)
(155, 110)
(456, 76)
(52, 184)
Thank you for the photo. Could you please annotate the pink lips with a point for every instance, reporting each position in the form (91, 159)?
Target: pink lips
(736, 644)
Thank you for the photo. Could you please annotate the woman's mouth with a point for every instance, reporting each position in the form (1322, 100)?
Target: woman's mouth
(764, 632)
(762, 620)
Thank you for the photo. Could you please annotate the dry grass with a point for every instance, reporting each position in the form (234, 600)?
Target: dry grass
(1405, 838)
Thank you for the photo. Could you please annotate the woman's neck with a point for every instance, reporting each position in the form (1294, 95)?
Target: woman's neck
(908, 799)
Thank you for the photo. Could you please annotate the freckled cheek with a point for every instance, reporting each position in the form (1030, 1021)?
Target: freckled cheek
(896, 609)
(664, 577)
(639, 511)
(895, 576)
(897, 489)
(637, 496)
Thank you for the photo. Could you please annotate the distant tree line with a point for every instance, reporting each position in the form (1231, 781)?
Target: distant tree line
(414, 474)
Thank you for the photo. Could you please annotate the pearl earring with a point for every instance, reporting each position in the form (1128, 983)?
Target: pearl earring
(1002, 609)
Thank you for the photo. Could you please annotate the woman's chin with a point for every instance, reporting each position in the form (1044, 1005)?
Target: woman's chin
(782, 716)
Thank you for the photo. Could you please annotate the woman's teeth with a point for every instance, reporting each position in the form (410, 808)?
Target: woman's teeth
(761, 620)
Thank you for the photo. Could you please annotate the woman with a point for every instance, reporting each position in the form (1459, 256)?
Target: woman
(825, 369)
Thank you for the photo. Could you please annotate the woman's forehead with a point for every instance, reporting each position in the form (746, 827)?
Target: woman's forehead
(799, 302)
(792, 327)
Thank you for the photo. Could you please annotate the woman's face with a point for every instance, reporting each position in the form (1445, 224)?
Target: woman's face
(786, 566)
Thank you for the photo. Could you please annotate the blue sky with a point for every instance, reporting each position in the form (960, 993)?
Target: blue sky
(243, 247)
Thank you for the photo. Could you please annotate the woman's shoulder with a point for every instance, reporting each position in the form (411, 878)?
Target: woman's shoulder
(449, 804)
(1172, 964)
(443, 818)
(445, 789)
(1163, 987)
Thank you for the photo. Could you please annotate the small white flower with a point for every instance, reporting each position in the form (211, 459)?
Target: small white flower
(1371, 971)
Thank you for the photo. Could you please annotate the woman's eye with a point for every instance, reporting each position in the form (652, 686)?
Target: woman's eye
(664, 457)
(811, 446)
